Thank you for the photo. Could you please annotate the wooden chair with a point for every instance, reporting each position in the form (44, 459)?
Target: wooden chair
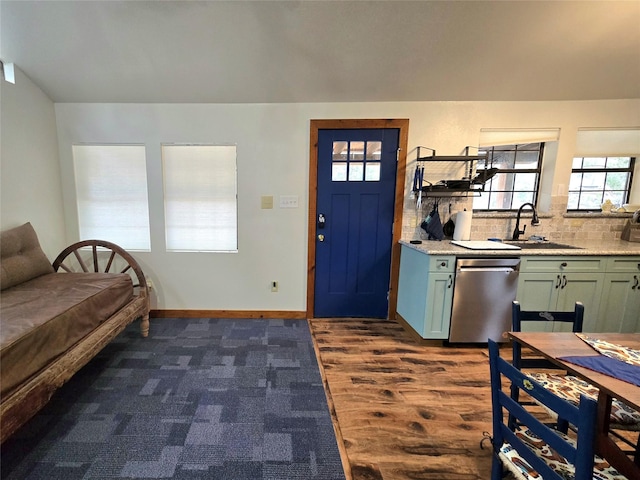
(574, 319)
(566, 386)
(535, 450)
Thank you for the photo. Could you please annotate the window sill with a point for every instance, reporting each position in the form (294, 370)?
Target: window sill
(525, 214)
(596, 215)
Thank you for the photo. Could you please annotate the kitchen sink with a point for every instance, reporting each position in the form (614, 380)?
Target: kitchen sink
(534, 245)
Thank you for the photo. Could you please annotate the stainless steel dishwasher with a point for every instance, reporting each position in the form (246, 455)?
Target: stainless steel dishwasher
(482, 296)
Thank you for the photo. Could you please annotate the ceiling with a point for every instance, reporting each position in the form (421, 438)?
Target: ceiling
(324, 51)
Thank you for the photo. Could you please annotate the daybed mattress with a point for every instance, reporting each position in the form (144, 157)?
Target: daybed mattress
(42, 318)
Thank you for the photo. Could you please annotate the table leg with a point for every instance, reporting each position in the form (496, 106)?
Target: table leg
(606, 447)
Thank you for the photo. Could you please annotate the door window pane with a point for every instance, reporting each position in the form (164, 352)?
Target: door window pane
(340, 151)
(339, 172)
(356, 171)
(372, 172)
(374, 150)
(356, 161)
(356, 150)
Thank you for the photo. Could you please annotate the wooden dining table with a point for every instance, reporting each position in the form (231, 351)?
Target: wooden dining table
(554, 345)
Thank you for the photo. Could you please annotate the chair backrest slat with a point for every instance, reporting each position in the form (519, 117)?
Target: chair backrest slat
(583, 417)
(518, 316)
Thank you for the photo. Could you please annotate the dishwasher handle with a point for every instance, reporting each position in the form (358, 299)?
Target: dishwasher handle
(487, 269)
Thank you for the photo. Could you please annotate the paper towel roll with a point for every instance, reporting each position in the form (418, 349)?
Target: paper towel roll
(463, 226)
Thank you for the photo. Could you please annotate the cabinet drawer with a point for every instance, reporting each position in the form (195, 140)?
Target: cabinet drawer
(442, 263)
(562, 264)
(623, 264)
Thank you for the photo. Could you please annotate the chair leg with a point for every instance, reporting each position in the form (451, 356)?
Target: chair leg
(496, 468)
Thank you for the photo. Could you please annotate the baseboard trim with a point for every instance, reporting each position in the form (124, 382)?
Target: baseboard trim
(285, 314)
(414, 335)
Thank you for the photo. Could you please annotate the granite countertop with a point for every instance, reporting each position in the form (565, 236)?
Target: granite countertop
(586, 247)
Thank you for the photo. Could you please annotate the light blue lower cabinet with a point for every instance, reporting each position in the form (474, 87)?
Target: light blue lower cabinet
(556, 282)
(620, 301)
(425, 292)
(609, 288)
(558, 291)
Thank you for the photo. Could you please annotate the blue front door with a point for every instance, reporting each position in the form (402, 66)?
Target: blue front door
(355, 204)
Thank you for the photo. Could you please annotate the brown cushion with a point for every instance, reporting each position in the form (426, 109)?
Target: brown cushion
(42, 318)
(21, 257)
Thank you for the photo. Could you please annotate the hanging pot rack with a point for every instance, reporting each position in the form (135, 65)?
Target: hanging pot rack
(464, 186)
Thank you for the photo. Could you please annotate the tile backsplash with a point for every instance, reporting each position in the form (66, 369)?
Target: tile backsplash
(556, 224)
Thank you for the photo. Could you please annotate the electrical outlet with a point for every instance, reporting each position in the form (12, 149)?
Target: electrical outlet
(274, 286)
(150, 284)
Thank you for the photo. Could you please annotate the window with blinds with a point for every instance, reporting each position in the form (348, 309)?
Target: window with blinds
(517, 153)
(596, 179)
(603, 167)
(200, 198)
(517, 180)
(111, 194)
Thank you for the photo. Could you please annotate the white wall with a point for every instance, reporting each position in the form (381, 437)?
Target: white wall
(30, 185)
(273, 146)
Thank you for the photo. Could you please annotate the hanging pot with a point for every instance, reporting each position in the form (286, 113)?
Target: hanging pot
(449, 227)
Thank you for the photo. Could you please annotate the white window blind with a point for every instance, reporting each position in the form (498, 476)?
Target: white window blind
(493, 137)
(200, 196)
(608, 142)
(111, 194)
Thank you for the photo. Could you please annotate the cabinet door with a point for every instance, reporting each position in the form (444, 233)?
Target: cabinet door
(412, 287)
(438, 306)
(538, 291)
(585, 288)
(425, 292)
(559, 292)
(620, 304)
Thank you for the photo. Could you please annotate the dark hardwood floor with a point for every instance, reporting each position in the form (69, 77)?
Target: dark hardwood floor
(404, 410)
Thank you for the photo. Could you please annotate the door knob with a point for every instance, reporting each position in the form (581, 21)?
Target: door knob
(321, 238)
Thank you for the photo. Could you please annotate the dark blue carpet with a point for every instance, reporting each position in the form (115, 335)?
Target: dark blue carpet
(197, 399)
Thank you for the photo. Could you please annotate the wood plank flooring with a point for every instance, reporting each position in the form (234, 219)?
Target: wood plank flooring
(404, 411)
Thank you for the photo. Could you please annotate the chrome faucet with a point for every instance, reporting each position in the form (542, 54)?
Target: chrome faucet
(534, 221)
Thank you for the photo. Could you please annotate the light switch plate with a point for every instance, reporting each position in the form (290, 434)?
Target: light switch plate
(266, 202)
(288, 201)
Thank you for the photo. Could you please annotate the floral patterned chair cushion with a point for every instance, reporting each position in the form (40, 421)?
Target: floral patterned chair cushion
(570, 388)
(522, 470)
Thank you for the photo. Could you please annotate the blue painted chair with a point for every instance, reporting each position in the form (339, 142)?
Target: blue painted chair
(574, 319)
(534, 450)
